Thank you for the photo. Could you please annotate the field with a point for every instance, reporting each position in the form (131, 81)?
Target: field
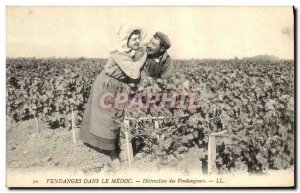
(252, 99)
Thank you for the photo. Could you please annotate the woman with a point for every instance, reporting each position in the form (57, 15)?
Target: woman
(99, 127)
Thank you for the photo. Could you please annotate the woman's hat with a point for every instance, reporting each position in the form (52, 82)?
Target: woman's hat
(123, 34)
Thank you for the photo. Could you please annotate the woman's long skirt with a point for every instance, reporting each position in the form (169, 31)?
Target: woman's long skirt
(100, 123)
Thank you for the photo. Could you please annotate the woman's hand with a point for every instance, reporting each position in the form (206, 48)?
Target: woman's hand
(140, 53)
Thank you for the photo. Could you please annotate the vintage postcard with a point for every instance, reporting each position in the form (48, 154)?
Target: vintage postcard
(150, 97)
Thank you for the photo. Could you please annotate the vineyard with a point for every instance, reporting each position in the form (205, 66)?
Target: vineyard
(252, 100)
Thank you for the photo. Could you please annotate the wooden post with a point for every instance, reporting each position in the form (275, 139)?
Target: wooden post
(128, 143)
(73, 127)
(37, 129)
(156, 126)
(9, 123)
(211, 154)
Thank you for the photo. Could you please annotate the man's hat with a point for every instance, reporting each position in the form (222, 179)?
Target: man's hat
(164, 39)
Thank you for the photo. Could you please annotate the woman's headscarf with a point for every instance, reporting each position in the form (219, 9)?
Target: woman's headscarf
(122, 39)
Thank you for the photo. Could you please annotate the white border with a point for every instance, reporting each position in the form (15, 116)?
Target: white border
(5, 3)
(150, 3)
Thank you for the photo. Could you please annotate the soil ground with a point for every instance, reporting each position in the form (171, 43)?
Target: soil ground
(50, 153)
(28, 147)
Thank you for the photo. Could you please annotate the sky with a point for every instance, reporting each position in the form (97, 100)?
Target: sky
(195, 32)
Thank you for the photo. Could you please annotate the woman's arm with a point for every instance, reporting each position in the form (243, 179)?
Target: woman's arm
(128, 66)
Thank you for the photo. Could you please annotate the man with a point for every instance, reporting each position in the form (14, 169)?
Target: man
(158, 63)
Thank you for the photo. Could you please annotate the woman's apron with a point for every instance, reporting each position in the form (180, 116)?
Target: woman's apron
(100, 126)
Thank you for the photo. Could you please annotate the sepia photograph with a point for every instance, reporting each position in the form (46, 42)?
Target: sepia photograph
(150, 97)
